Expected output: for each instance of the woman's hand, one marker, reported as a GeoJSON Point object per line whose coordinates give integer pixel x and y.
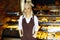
{"type": "Point", "coordinates": [35, 34]}
{"type": "Point", "coordinates": [20, 32]}
{"type": "Point", "coordinates": [21, 35]}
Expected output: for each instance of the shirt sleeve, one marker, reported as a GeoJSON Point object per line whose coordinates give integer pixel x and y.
{"type": "Point", "coordinates": [36, 23]}
{"type": "Point", "coordinates": [20, 23]}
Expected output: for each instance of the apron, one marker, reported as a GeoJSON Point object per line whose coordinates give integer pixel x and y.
{"type": "Point", "coordinates": [27, 29]}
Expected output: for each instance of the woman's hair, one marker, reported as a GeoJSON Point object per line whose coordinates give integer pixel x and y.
{"type": "Point", "coordinates": [28, 2]}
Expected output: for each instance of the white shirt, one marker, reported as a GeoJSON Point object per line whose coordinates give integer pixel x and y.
{"type": "Point", "coordinates": [35, 28]}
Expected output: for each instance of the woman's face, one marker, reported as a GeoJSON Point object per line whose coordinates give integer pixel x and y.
{"type": "Point", "coordinates": [27, 9]}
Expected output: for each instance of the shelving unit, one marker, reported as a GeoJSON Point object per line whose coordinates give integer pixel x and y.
{"type": "Point", "coordinates": [49, 26]}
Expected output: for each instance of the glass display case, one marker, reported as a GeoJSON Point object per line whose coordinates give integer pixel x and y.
{"type": "Point", "coordinates": [49, 25]}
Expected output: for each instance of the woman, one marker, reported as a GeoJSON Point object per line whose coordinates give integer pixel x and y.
{"type": "Point", "coordinates": [28, 23]}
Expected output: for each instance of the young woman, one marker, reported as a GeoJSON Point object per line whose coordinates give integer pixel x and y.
{"type": "Point", "coordinates": [28, 23]}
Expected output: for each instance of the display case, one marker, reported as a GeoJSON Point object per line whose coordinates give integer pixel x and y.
{"type": "Point", "coordinates": [49, 25]}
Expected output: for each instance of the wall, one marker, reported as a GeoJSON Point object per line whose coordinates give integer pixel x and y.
{"type": "Point", "coordinates": [9, 5]}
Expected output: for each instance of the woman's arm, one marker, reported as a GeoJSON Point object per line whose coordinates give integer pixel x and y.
{"type": "Point", "coordinates": [20, 26]}
{"type": "Point", "coordinates": [35, 26]}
